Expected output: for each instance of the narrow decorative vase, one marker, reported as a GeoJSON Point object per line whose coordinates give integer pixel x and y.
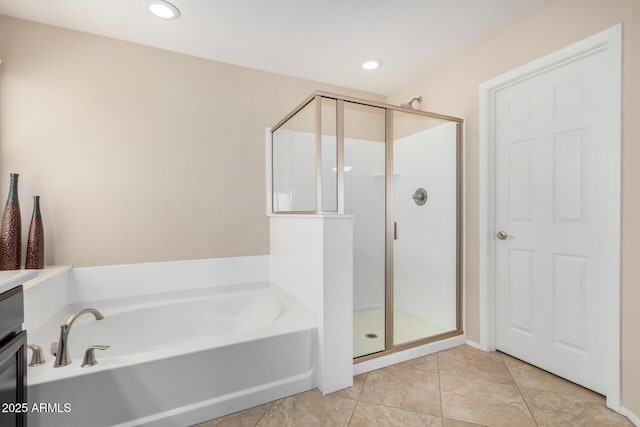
{"type": "Point", "coordinates": [11, 230]}
{"type": "Point", "coordinates": [35, 243]}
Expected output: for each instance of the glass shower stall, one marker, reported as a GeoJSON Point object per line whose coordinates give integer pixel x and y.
{"type": "Point", "coordinates": [398, 172]}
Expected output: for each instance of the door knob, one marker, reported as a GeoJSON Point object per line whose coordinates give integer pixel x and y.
{"type": "Point", "coordinates": [502, 235]}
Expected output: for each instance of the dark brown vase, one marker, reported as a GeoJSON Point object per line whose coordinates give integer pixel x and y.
{"type": "Point", "coordinates": [11, 230]}
{"type": "Point", "coordinates": [35, 243]}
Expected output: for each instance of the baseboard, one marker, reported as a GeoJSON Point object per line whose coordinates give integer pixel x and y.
{"type": "Point", "coordinates": [223, 405]}
{"type": "Point", "coordinates": [403, 356]}
{"type": "Point", "coordinates": [632, 417]}
{"type": "Point", "coordinates": [474, 345]}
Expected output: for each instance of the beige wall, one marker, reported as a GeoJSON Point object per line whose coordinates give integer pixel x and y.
{"type": "Point", "coordinates": [139, 154]}
{"type": "Point", "coordinates": [453, 89]}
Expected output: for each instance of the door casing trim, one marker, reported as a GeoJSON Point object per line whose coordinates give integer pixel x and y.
{"type": "Point", "coordinates": [610, 40]}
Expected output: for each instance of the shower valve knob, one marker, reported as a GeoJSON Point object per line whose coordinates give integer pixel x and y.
{"type": "Point", "coordinates": [420, 196]}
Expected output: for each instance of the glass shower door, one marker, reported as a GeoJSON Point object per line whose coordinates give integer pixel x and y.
{"type": "Point", "coordinates": [425, 224]}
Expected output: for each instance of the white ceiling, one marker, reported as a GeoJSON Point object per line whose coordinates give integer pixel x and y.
{"type": "Point", "coordinates": [323, 40]}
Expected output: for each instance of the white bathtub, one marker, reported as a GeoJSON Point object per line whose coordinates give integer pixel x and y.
{"type": "Point", "coordinates": [176, 359]}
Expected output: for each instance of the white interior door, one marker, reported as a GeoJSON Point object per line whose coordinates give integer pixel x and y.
{"type": "Point", "coordinates": [555, 188]}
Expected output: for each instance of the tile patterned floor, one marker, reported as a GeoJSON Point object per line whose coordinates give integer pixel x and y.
{"type": "Point", "coordinates": [461, 387]}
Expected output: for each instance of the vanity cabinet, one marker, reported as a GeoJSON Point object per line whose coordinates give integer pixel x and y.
{"type": "Point", "coordinates": [13, 359]}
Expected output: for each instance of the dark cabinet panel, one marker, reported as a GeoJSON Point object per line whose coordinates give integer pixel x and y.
{"type": "Point", "coordinates": [13, 359]}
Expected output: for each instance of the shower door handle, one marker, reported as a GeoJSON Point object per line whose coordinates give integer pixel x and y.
{"type": "Point", "coordinates": [395, 230]}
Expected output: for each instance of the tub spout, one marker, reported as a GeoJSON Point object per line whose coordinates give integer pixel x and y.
{"type": "Point", "coordinates": [62, 354]}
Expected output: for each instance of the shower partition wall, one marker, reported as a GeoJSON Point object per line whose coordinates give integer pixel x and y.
{"type": "Point", "coordinates": [398, 172]}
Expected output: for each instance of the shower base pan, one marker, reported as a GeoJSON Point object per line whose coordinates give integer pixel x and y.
{"type": "Point", "coordinates": [368, 329]}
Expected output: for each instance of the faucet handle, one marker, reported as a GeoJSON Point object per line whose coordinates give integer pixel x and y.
{"type": "Point", "coordinates": [90, 357]}
{"type": "Point", "coordinates": [37, 355]}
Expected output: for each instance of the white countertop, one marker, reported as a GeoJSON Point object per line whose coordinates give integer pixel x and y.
{"type": "Point", "coordinates": [11, 278]}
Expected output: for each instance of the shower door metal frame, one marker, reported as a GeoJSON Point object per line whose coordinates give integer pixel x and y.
{"type": "Point", "coordinates": [389, 232]}
{"type": "Point", "coordinates": [391, 235]}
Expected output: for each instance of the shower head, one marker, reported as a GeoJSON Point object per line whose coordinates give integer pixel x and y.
{"type": "Point", "coordinates": [410, 103]}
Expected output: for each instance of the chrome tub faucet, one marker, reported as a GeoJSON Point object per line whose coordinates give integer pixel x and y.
{"type": "Point", "coordinates": [62, 351]}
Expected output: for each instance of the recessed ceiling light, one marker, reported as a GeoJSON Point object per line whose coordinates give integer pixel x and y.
{"type": "Point", "coordinates": [371, 64]}
{"type": "Point", "coordinates": [164, 9]}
